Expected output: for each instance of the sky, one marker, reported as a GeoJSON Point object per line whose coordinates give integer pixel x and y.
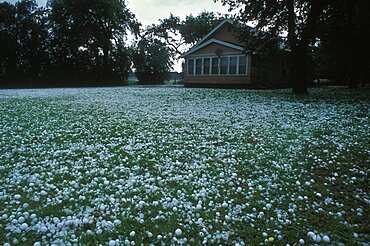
{"type": "Point", "coordinates": [150, 11]}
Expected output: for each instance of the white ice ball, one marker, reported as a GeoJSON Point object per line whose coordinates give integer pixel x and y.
{"type": "Point", "coordinates": [43, 229]}
{"type": "Point", "coordinates": [178, 232]}
{"type": "Point", "coordinates": [21, 220]}
{"type": "Point", "coordinates": [326, 239]}
{"type": "Point", "coordinates": [132, 234]}
{"type": "Point", "coordinates": [24, 226]}
{"type": "Point", "coordinates": [312, 235]}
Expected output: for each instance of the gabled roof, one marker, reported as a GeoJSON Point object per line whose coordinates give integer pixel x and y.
{"type": "Point", "coordinates": [204, 42]}
{"type": "Point", "coordinates": [216, 41]}
{"type": "Point", "coordinates": [215, 30]}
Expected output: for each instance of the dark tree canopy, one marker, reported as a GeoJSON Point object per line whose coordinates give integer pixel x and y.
{"type": "Point", "coordinates": [23, 34]}
{"type": "Point", "coordinates": [151, 59]}
{"type": "Point", "coordinates": [86, 29]}
{"type": "Point", "coordinates": [343, 49]}
{"type": "Point", "coordinates": [69, 43]}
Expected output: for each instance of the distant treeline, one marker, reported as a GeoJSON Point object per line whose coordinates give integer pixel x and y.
{"type": "Point", "coordinates": [73, 43]}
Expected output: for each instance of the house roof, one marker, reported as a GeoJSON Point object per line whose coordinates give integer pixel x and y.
{"type": "Point", "coordinates": [216, 41]}
{"type": "Point", "coordinates": [222, 23]}
{"type": "Point", "coordinates": [204, 41]}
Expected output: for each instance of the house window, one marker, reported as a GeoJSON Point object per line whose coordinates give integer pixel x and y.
{"type": "Point", "coordinates": [242, 65]}
{"type": "Point", "coordinates": [206, 66]}
{"type": "Point", "coordinates": [198, 66]}
{"type": "Point", "coordinates": [215, 66]}
{"type": "Point", "coordinates": [224, 64]}
{"type": "Point", "coordinates": [190, 66]}
{"type": "Point", "coordinates": [232, 65]}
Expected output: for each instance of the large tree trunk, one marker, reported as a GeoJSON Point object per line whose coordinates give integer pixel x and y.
{"type": "Point", "coordinates": [299, 48]}
{"type": "Point", "coordinates": [299, 72]}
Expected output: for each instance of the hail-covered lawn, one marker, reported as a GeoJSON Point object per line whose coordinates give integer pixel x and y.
{"type": "Point", "coordinates": [184, 166]}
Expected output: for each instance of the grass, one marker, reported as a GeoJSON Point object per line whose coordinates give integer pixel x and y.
{"type": "Point", "coordinates": [93, 165]}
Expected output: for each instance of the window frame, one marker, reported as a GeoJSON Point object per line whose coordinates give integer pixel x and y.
{"type": "Point", "coordinates": [217, 66]}
{"type": "Point", "coordinates": [209, 66]}
{"type": "Point", "coordinates": [188, 66]}
{"type": "Point", "coordinates": [201, 67]}
{"type": "Point", "coordinates": [236, 65]}
{"type": "Point", "coordinates": [210, 69]}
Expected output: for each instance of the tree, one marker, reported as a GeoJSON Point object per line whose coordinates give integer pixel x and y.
{"type": "Point", "coordinates": [152, 61]}
{"type": "Point", "coordinates": [343, 49]}
{"type": "Point", "coordinates": [32, 38]}
{"type": "Point", "coordinates": [194, 28]}
{"type": "Point", "coordinates": [8, 41]}
{"type": "Point", "coordinates": [121, 62]}
{"type": "Point", "coordinates": [23, 35]}
{"type": "Point", "coordinates": [177, 34]}
{"type": "Point", "coordinates": [88, 28]}
{"type": "Point", "coordinates": [299, 18]}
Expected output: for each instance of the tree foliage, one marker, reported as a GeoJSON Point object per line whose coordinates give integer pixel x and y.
{"type": "Point", "coordinates": [343, 49]}
{"type": "Point", "coordinates": [178, 34]}
{"type": "Point", "coordinates": [68, 43]}
{"type": "Point", "coordinates": [90, 31]}
{"type": "Point", "coordinates": [151, 59]}
{"type": "Point", "coordinates": [23, 34]}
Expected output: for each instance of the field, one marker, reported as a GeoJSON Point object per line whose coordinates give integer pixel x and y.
{"type": "Point", "coordinates": [134, 166]}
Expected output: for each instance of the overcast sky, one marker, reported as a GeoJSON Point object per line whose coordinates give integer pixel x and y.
{"type": "Point", "coordinates": [149, 11]}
